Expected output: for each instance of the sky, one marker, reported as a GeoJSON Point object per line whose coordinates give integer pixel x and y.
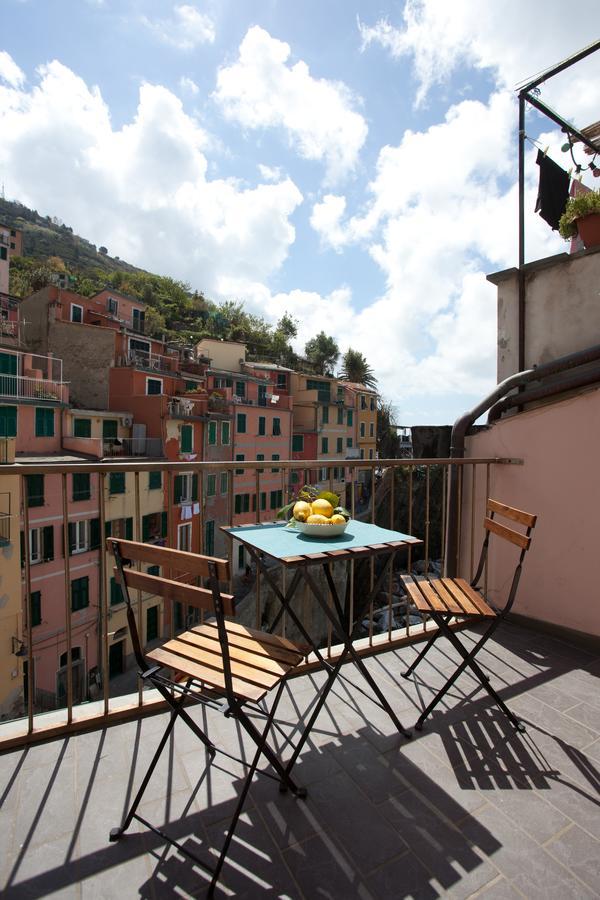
{"type": "Point", "coordinates": [350, 163]}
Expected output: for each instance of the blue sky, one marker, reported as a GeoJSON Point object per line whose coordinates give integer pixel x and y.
{"type": "Point", "coordinates": [352, 164]}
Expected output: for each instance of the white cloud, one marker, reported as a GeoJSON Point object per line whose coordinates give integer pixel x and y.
{"type": "Point", "coordinates": [9, 70]}
{"type": "Point", "coordinates": [513, 39]}
{"type": "Point", "coordinates": [270, 173]}
{"type": "Point", "coordinates": [141, 190]}
{"type": "Point", "coordinates": [262, 90]}
{"type": "Point", "coordinates": [326, 219]}
{"type": "Point", "coordinates": [185, 30]}
{"type": "Point", "coordinates": [188, 85]}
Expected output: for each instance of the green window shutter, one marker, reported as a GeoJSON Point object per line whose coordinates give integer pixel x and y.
{"type": "Point", "coordinates": [44, 422]}
{"type": "Point", "coordinates": [211, 485]}
{"type": "Point", "coordinates": [35, 490]}
{"type": "Point", "coordinates": [80, 593]}
{"type": "Point", "coordinates": [22, 549]}
{"type": "Point", "coordinates": [276, 426]}
{"type": "Point", "coordinates": [241, 423]}
{"type": "Point", "coordinates": [225, 432]}
{"type": "Point", "coordinates": [178, 489]}
{"type": "Point", "coordinates": [239, 458]}
{"type": "Point", "coordinates": [212, 432]}
{"type": "Point", "coordinates": [325, 415]}
{"type": "Point", "coordinates": [224, 482]}
{"type": "Point", "coordinates": [194, 487]}
{"type": "Point", "coordinates": [340, 445]}
{"type": "Point", "coordinates": [71, 537]}
{"type": "Point", "coordinates": [145, 528]}
{"type": "Point", "coordinates": [164, 524]}
{"type": "Point", "coordinates": [349, 419]}
{"type": "Point", "coordinates": [178, 615]}
{"type": "Point", "coordinates": [324, 445]}
{"type": "Point", "coordinates": [260, 456]}
{"type": "Point", "coordinates": [298, 443]}
{"type": "Point", "coordinates": [116, 594]}
{"type": "Point", "coordinates": [110, 428]}
{"type": "Point", "coordinates": [154, 480]}
{"type": "Point", "coordinates": [187, 438]}
{"type": "Point", "coordinates": [94, 534]}
{"type": "Point", "coordinates": [209, 538]}
{"type": "Point", "coordinates": [261, 425]}
{"type": "Point", "coordinates": [36, 608]}
{"type": "Point", "coordinates": [154, 570]}
{"type": "Point", "coordinates": [273, 499]}
{"type": "Point", "coordinates": [275, 456]}
{"type": "Point", "coordinates": [238, 503]}
{"type": "Point", "coordinates": [263, 500]}
{"type": "Point", "coordinates": [348, 442]}
{"type": "Point", "coordinates": [246, 503]}
{"type": "Point", "coordinates": [129, 529]}
{"type": "Point", "coordinates": [8, 414]}
{"type": "Point", "coordinates": [116, 483]}
{"type": "Point", "coordinates": [240, 389]}
{"type": "Point", "coordinates": [82, 428]}
{"type": "Point", "coordinates": [340, 415]}
{"type": "Point", "coordinates": [81, 486]}
{"type": "Point", "coordinates": [48, 543]}
{"type": "Point", "coordinates": [107, 529]}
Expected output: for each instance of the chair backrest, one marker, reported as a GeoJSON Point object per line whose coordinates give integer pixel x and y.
{"type": "Point", "coordinates": [519, 538]}
{"type": "Point", "coordinates": [189, 566]}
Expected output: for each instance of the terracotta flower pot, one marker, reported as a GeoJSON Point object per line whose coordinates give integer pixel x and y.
{"type": "Point", "coordinates": [588, 228]}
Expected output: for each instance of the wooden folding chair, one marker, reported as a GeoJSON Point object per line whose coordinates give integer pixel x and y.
{"type": "Point", "coordinates": [444, 599]}
{"type": "Point", "coordinates": [219, 664]}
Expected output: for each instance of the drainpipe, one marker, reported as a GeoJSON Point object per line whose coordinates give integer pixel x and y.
{"type": "Point", "coordinates": [568, 383]}
{"type": "Point", "coordinates": [462, 425]}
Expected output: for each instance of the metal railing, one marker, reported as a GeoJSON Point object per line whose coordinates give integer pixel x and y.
{"type": "Point", "coordinates": [409, 496]}
{"type": "Point", "coordinates": [153, 362]}
{"type": "Point", "coordinates": [142, 446]}
{"type": "Point", "coordinates": [25, 388]}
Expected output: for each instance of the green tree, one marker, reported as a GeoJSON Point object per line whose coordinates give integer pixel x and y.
{"type": "Point", "coordinates": [322, 352]}
{"type": "Point", "coordinates": [356, 368]}
{"type": "Point", "coordinates": [388, 442]}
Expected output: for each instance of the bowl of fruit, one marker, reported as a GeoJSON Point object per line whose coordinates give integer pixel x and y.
{"type": "Point", "coordinates": [316, 514]}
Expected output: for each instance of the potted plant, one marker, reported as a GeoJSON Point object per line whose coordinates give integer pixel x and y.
{"type": "Point", "coordinates": [582, 217]}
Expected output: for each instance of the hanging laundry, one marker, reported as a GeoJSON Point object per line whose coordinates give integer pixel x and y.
{"type": "Point", "coordinates": [196, 509]}
{"type": "Point", "coordinates": [553, 191]}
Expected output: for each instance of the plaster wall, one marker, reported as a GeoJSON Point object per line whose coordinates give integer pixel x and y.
{"type": "Point", "coordinates": [559, 584]}
{"type": "Point", "coordinates": [11, 666]}
{"type": "Point", "coordinates": [225, 355]}
{"type": "Point", "coordinates": [562, 309]}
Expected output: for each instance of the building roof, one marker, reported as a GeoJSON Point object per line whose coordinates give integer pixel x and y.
{"type": "Point", "coordinates": [355, 386]}
{"type": "Point", "coordinates": [267, 365]}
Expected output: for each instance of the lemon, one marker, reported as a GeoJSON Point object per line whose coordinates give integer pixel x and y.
{"type": "Point", "coordinates": [338, 520]}
{"type": "Point", "coordinates": [301, 510]}
{"type": "Point", "coordinates": [323, 507]}
{"type": "Point", "coordinates": [317, 519]}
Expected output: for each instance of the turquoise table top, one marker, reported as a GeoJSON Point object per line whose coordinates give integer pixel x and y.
{"type": "Point", "coordinates": [291, 546]}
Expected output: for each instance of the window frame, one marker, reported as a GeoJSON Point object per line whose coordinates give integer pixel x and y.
{"type": "Point", "coordinates": [185, 528]}
{"type": "Point", "coordinates": [80, 308]}
{"type": "Point", "coordinates": [77, 421]}
{"type": "Point", "coordinates": [224, 426]}
{"type": "Point", "coordinates": [151, 379]}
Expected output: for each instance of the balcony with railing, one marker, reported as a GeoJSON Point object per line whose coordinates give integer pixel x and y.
{"type": "Point", "coordinates": [467, 806]}
{"type": "Point", "coordinates": [29, 376]}
{"type": "Point", "coordinates": [150, 362]}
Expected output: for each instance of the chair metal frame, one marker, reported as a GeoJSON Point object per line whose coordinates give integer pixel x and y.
{"type": "Point", "coordinates": [178, 693]}
{"type": "Point", "coordinates": [486, 610]}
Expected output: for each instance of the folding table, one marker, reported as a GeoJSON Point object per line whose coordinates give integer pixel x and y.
{"type": "Point", "coordinates": [301, 554]}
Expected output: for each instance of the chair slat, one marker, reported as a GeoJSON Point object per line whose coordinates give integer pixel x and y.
{"type": "Point", "coordinates": [517, 515]}
{"type": "Point", "coordinates": [178, 560]}
{"type": "Point", "coordinates": [469, 608]}
{"type": "Point", "coordinates": [199, 598]}
{"type": "Point", "coordinates": [475, 598]}
{"type": "Point", "coordinates": [449, 599]}
{"type": "Point", "coordinates": [215, 661]}
{"type": "Point", "coordinates": [423, 603]}
{"type": "Point", "coordinates": [236, 628]}
{"type": "Point", "coordinates": [208, 676]}
{"type": "Point", "coordinates": [521, 540]}
{"type": "Point", "coordinates": [236, 654]}
{"type": "Point", "coordinates": [255, 645]}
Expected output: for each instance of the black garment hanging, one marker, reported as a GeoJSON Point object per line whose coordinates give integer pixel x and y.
{"type": "Point", "coordinates": [553, 191]}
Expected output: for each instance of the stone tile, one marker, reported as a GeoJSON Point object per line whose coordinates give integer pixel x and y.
{"type": "Point", "coordinates": [499, 889]}
{"type": "Point", "coordinates": [377, 776]}
{"type": "Point", "coordinates": [404, 876]}
{"type": "Point", "coordinates": [579, 852]}
{"type": "Point", "coordinates": [46, 805]}
{"type": "Point", "coordinates": [552, 722]}
{"type": "Point", "coordinates": [579, 803]}
{"type": "Point", "coordinates": [39, 866]}
{"type": "Point", "coordinates": [530, 811]}
{"type": "Point", "coordinates": [586, 715]}
{"type": "Point", "coordinates": [322, 869]}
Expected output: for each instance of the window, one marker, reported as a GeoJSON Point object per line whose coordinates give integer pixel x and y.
{"type": "Point", "coordinates": [8, 414]}
{"type": "Point", "coordinates": [76, 312]}
{"type": "Point", "coordinates": [348, 442]}
{"type": "Point", "coordinates": [178, 615]}
{"type": "Point", "coordinates": [262, 425]}
{"type": "Point", "coordinates": [253, 502]}
{"type": "Point", "coordinates": [113, 306]}
{"type": "Point", "coordinates": [324, 445]}
{"type": "Point", "coordinates": [363, 401]}
{"type": "Point", "coordinates": [340, 415]}
{"type": "Point", "coordinates": [78, 536]}
{"type": "Point", "coordinates": [275, 456]}
{"type": "Point", "coordinates": [362, 453]}
{"type": "Point", "coordinates": [239, 457]}
{"type": "Point", "coordinates": [240, 389]}
{"type": "Point", "coordinates": [41, 544]}
{"type": "Point", "coordinates": [212, 432]}
{"type": "Point", "coordinates": [110, 429]}
{"type": "Point", "coordinates": [44, 422]}
{"type": "Point", "coordinates": [222, 382]}
{"type": "Point", "coordinates": [298, 443]}
{"type": "Point", "coordinates": [362, 429]}
{"type": "Point", "coordinates": [187, 438]}
{"type": "Point", "coordinates": [184, 536]}
{"type": "Point", "coordinates": [116, 483]}
{"type": "Point", "coordinates": [276, 426]}
{"type": "Point", "coordinates": [281, 381]}
{"type": "Point", "coordinates": [36, 608]}
{"type": "Point", "coordinates": [224, 482]}
{"type": "Point", "coordinates": [154, 481]}
{"type": "Point", "coordinates": [325, 415]}
{"type": "Point", "coordinates": [211, 485]}
{"type": "Point", "coordinates": [225, 432]}
{"type": "Point", "coordinates": [80, 593]}
{"type": "Point", "coordinates": [294, 478]}
{"type": "Point", "coordinates": [119, 528]}
{"type": "Point", "coordinates": [139, 317]}
{"type": "Point", "coordinates": [81, 486]}
{"type": "Point", "coordinates": [242, 503]}
{"type": "Point", "coordinates": [260, 456]}
{"type": "Point", "coordinates": [154, 570]}
{"type": "Point", "coordinates": [209, 538]}
{"type": "Point", "coordinates": [339, 448]}
{"type": "Point", "coordinates": [323, 388]}
{"type": "Point", "coordinates": [82, 428]}
{"type": "Point", "coordinates": [276, 499]}
{"type": "Point", "coordinates": [349, 418]}
{"type": "Point", "coordinates": [241, 557]}
{"type": "Point", "coordinates": [371, 454]}
{"type": "Point", "coordinates": [116, 594]}
{"type": "Point", "coordinates": [151, 623]}
{"type": "Point", "coordinates": [154, 527]}
{"type": "Point", "coordinates": [372, 404]}
{"type": "Point", "coordinates": [263, 500]}
{"type": "Point", "coordinates": [35, 490]}
{"type": "Point", "coordinates": [371, 426]}
{"type": "Point", "coordinates": [241, 423]}
{"type": "Point", "coordinates": [185, 488]}
{"type": "Point", "coordinates": [154, 386]}
{"type": "Point", "coordinates": [262, 395]}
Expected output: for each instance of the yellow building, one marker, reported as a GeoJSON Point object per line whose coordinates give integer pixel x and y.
{"type": "Point", "coordinates": [365, 405]}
